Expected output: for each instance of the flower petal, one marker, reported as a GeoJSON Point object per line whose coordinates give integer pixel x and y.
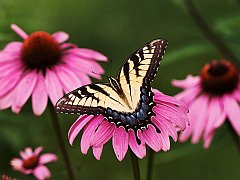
{"type": "Point", "coordinates": [39, 96]}
{"type": "Point", "coordinates": [6, 101]}
{"type": "Point", "coordinates": [120, 142]}
{"type": "Point", "coordinates": [47, 158]}
{"type": "Point", "coordinates": [69, 79]}
{"type": "Point", "coordinates": [53, 86]}
{"type": "Point", "coordinates": [23, 90]}
{"type": "Point", "coordinates": [97, 152]}
{"type": "Point", "coordinates": [190, 81]}
{"type": "Point", "coordinates": [188, 95]}
{"type": "Point", "coordinates": [139, 150]}
{"type": "Point", "coordinates": [232, 110]}
{"type": "Point", "coordinates": [19, 31]}
{"type": "Point", "coordinates": [88, 54]}
{"type": "Point", "coordinates": [103, 134]}
{"type": "Point", "coordinates": [77, 126]}
{"type": "Point", "coordinates": [42, 172]}
{"type": "Point", "coordinates": [152, 138]}
{"type": "Point", "coordinates": [60, 36]}
{"type": "Point", "coordinates": [38, 150]}
{"type": "Point", "coordinates": [89, 131]}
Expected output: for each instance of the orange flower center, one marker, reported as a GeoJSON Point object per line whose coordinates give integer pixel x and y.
{"type": "Point", "coordinates": [31, 162]}
{"type": "Point", "coordinates": [40, 51]}
{"type": "Point", "coordinates": [219, 77]}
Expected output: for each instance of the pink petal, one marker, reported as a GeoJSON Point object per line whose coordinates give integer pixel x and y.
{"type": "Point", "coordinates": [166, 126]}
{"type": "Point", "coordinates": [97, 152]}
{"type": "Point", "coordinates": [120, 143]}
{"type": "Point", "coordinates": [88, 54]}
{"type": "Point", "coordinates": [16, 163]}
{"type": "Point", "coordinates": [189, 94]}
{"type": "Point", "coordinates": [214, 112]}
{"type": "Point", "coordinates": [13, 47]}
{"type": "Point", "coordinates": [38, 150]}
{"type": "Point", "coordinates": [9, 68]}
{"type": "Point", "coordinates": [208, 140]}
{"type": "Point", "coordinates": [152, 138]}
{"type": "Point", "coordinates": [69, 79]}
{"type": "Point", "coordinates": [42, 173]}
{"type": "Point", "coordinates": [89, 131]}
{"type": "Point", "coordinates": [67, 46]}
{"type": "Point", "coordinates": [47, 158]}
{"type": "Point", "coordinates": [19, 31]}
{"type": "Point", "coordinates": [139, 150]}
{"type": "Point", "coordinates": [164, 138]}
{"type": "Point", "coordinates": [60, 36]}
{"type": "Point", "coordinates": [232, 110]}
{"type": "Point", "coordinates": [103, 134]}
{"type": "Point", "coordinates": [6, 101]}
{"type": "Point", "coordinates": [23, 90]}
{"type": "Point", "coordinates": [199, 115]}
{"type": "Point", "coordinates": [175, 118]}
{"type": "Point", "coordinates": [160, 97]}
{"type": "Point", "coordinates": [77, 126]}
{"type": "Point", "coordinates": [190, 81]}
{"type": "Point", "coordinates": [39, 96]}
{"type": "Point", "coordinates": [53, 86]}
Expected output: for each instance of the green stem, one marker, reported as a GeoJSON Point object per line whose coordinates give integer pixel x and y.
{"type": "Point", "coordinates": [135, 166]}
{"type": "Point", "coordinates": [150, 164]}
{"type": "Point", "coordinates": [209, 33]}
{"type": "Point", "coordinates": [60, 139]}
{"type": "Point", "coordinates": [235, 136]}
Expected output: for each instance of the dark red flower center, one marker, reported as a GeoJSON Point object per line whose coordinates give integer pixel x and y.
{"type": "Point", "coordinates": [219, 77]}
{"type": "Point", "coordinates": [40, 51]}
{"type": "Point", "coordinates": [31, 162]}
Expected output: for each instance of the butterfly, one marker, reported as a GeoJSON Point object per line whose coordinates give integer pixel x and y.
{"type": "Point", "coordinates": [126, 100]}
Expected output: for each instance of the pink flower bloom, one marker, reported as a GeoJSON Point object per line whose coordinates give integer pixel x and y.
{"type": "Point", "coordinates": [43, 66]}
{"type": "Point", "coordinates": [212, 97]}
{"type": "Point", "coordinates": [155, 132]}
{"type": "Point", "coordinates": [31, 162]}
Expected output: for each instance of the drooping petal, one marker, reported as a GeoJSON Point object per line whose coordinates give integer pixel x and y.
{"type": "Point", "coordinates": [39, 96]}
{"type": "Point", "coordinates": [38, 150]}
{"type": "Point", "coordinates": [189, 94]}
{"type": "Point", "coordinates": [69, 80]}
{"type": "Point", "coordinates": [53, 86]}
{"type": "Point", "coordinates": [6, 101]}
{"type": "Point", "coordinates": [120, 143]}
{"type": "Point", "coordinates": [42, 173]}
{"type": "Point", "coordinates": [208, 140]}
{"type": "Point", "coordinates": [190, 81]}
{"type": "Point", "coordinates": [19, 31]}
{"type": "Point", "coordinates": [139, 150]}
{"type": "Point", "coordinates": [166, 125]}
{"type": "Point", "coordinates": [77, 126]}
{"type": "Point", "coordinates": [152, 138]}
{"type": "Point", "coordinates": [88, 54]}
{"type": "Point", "coordinates": [97, 152]}
{"type": "Point", "coordinates": [89, 131]}
{"type": "Point", "coordinates": [103, 134]}
{"type": "Point", "coordinates": [232, 110]}
{"type": "Point", "coordinates": [199, 115]}
{"type": "Point", "coordinates": [16, 163]}
{"type": "Point", "coordinates": [47, 158]}
{"type": "Point", "coordinates": [60, 36]}
{"type": "Point", "coordinates": [23, 90]}
{"type": "Point", "coordinates": [65, 46]}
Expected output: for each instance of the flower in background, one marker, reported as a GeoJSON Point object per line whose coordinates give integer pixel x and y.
{"type": "Point", "coordinates": [6, 177]}
{"type": "Point", "coordinates": [212, 97]}
{"type": "Point", "coordinates": [31, 162]}
{"type": "Point", "coordinates": [155, 132]}
{"type": "Point", "coordinates": [43, 66]}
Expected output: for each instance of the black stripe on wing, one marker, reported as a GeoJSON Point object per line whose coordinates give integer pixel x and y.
{"type": "Point", "coordinates": [65, 104]}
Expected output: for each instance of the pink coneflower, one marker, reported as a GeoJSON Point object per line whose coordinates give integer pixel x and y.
{"type": "Point", "coordinates": [31, 162]}
{"type": "Point", "coordinates": [6, 177]}
{"type": "Point", "coordinates": [154, 132]}
{"type": "Point", "coordinates": [43, 66]}
{"type": "Point", "coordinates": [212, 97]}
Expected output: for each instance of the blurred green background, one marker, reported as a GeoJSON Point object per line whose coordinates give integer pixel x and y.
{"type": "Point", "coordinates": [117, 28]}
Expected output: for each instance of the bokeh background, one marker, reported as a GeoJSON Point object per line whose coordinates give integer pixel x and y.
{"type": "Point", "coordinates": [117, 28]}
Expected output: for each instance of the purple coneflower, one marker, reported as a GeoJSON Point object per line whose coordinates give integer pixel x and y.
{"type": "Point", "coordinates": [31, 162]}
{"type": "Point", "coordinates": [43, 66]}
{"type": "Point", "coordinates": [170, 115]}
{"type": "Point", "coordinates": [213, 97]}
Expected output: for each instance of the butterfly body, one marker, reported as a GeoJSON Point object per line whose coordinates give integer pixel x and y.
{"type": "Point", "coordinates": [126, 100]}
